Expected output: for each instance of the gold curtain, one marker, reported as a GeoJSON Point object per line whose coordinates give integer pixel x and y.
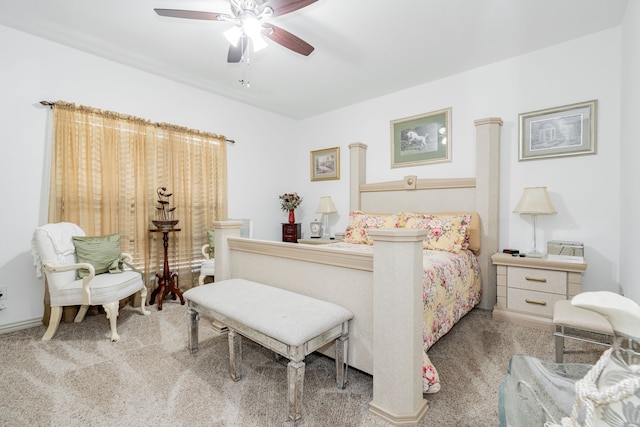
{"type": "Point", "coordinates": [106, 168]}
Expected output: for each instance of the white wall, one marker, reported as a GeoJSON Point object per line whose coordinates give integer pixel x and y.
{"type": "Point", "coordinates": [33, 69]}
{"type": "Point", "coordinates": [630, 153]}
{"type": "Point", "coordinates": [584, 189]}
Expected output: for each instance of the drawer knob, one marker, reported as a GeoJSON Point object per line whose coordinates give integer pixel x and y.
{"type": "Point", "coordinates": [535, 279]}
{"type": "Point", "coordinates": [530, 301]}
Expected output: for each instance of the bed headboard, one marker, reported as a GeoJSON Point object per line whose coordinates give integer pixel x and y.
{"type": "Point", "coordinates": [480, 194]}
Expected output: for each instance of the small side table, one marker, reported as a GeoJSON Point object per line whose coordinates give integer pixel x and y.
{"type": "Point", "coordinates": [291, 232]}
{"type": "Point", "coordinates": [166, 282]}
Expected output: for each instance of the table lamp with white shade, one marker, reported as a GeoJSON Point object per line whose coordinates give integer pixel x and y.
{"type": "Point", "coordinates": [535, 201]}
{"type": "Point", "coordinates": [326, 207]}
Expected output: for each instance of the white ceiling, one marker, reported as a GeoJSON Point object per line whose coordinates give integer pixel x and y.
{"type": "Point", "coordinates": [363, 48]}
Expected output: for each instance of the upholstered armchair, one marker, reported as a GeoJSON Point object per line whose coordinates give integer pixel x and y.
{"type": "Point", "coordinates": [84, 271]}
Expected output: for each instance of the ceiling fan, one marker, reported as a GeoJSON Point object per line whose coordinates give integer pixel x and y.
{"type": "Point", "coordinates": [250, 18]}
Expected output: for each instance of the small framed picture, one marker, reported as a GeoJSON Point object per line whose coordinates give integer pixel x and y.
{"type": "Point", "coordinates": [421, 139]}
{"type": "Point", "coordinates": [569, 130]}
{"type": "Point", "coordinates": [325, 164]}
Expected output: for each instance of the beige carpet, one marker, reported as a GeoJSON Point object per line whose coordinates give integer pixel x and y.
{"type": "Point", "coordinates": [149, 377]}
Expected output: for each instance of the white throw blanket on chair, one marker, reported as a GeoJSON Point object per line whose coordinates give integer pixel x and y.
{"type": "Point", "coordinates": [60, 235]}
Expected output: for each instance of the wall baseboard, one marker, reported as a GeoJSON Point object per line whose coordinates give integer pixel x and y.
{"type": "Point", "coordinates": [17, 326]}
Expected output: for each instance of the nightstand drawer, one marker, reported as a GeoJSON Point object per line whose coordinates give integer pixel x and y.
{"type": "Point", "coordinates": [527, 301]}
{"type": "Point", "coordinates": [538, 280]}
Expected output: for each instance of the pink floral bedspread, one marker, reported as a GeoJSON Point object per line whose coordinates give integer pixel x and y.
{"type": "Point", "coordinates": [451, 287]}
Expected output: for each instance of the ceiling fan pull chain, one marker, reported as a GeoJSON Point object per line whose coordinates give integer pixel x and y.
{"type": "Point", "coordinates": [248, 72]}
{"type": "Point", "coordinates": [246, 60]}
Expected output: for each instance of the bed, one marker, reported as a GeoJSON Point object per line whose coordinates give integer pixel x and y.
{"type": "Point", "coordinates": [382, 284]}
{"type": "Point", "coordinates": [451, 278]}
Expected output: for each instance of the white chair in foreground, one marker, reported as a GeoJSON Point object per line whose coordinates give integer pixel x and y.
{"type": "Point", "coordinates": [54, 252]}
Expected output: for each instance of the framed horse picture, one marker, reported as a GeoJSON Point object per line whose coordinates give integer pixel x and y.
{"type": "Point", "coordinates": [421, 139]}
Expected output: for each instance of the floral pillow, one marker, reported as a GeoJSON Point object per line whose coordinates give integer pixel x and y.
{"type": "Point", "coordinates": [360, 222]}
{"type": "Point", "coordinates": [446, 232]}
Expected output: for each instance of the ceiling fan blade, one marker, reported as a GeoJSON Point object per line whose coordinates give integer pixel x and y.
{"type": "Point", "coordinates": [236, 52]}
{"type": "Point", "coordinates": [281, 7]}
{"type": "Point", "coordinates": [191, 14]}
{"type": "Point", "coordinates": [286, 39]}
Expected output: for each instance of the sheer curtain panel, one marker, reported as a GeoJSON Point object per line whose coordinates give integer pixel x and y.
{"type": "Point", "coordinates": [106, 167]}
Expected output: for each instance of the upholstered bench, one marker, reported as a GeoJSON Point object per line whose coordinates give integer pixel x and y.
{"type": "Point", "coordinates": [290, 324]}
{"type": "Point", "coordinates": [579, 324]}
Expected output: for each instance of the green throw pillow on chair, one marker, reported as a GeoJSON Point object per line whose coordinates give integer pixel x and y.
{"type": "Point", "coordinates": [103, 252]}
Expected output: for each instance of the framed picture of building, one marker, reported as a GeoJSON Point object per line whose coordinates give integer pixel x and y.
{"type": "Point", "coordinates": [325, 164]}
{"type": "Point", "coordinates": [421, 139]}
{"type": "Point", "coordinates": [569, 130]}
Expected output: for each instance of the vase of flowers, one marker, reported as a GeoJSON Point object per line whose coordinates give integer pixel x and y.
{"type": "Point", "coordinates": [289, 202]}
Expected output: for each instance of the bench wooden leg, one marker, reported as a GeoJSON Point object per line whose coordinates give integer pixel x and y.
{"type": "Point", "coordinates": [295, 377]}
{"type": "Point", "coordinates": [235, 354]}
{"type": "Point", "coordinates": [342, 360]}
{"type": "Point", "coordinates": [194, 317]}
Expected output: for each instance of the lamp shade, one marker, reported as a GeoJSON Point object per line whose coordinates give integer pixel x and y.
{"type": "Point", "coordinates": [535, 201]}
{"type": "Point", "coordinates": [326, 205]}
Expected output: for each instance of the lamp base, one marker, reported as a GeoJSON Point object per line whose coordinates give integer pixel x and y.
{"type": "Point", "coordinates": [326, 233]}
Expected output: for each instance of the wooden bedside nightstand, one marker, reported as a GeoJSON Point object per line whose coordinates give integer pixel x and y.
{"type": "Point", "coordinates": [529, 287]}
{"type": "Point", "coordinates": [291, 232]}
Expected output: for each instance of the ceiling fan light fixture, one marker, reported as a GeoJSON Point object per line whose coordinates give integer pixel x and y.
{"type": "Point", "coordinates": [258, 43]}
{"type": "Point", "coordinates": [233, 35]}
{"type": "Point", "coordinates": [251, 26]}
{"type": "Point", "coordinates": [253, 29]}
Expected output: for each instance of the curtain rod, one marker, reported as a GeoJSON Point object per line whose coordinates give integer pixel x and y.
{"type": "Point", "coordinates": [51, 104]}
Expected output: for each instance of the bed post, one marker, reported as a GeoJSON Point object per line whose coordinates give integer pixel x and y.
{"type": "Point", "coordinates": [224, 230]}
{"type": "Point", "coordinates": [397, 325]}
{"type": "Point", "coordinates": [357, 173]}
{"type": "Point", "coordinates": [488, 202]}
